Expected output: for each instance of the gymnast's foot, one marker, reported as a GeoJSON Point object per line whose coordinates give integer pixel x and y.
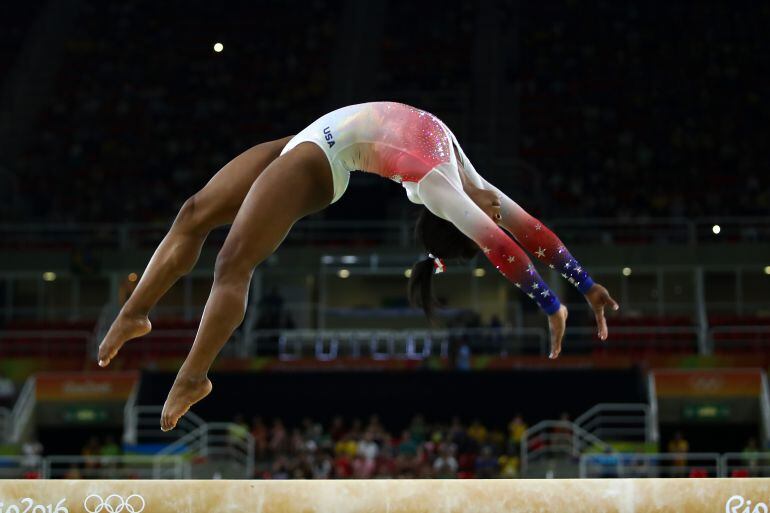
{"type": "Point", "coordinates": [184, 393]}
{"type": "Point", "coordinates": [123, 329]}
{"type": "Point", "coordinates": [557, 322]}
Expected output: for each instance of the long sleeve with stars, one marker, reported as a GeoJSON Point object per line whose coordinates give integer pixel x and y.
{"type": "Point", "coordinates": [533, 235]}
{"type": "Point", "coordinates": [446, 199]}
{"type": "Point", "coordinates": [536, 238]}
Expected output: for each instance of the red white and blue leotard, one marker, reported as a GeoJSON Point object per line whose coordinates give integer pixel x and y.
{"type": "Point", "coordinates": [416, 149]}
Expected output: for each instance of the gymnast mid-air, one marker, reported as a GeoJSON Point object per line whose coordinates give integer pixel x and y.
{"type": "Point", "coordinates": [268, 188]}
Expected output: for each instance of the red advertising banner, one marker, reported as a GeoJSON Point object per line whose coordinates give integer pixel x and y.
{"type": "Point", "coordinates": [707, 382]}
{"type": "Point", "coordinates": [71, 386]}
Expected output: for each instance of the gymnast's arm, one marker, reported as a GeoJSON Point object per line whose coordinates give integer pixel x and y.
{"type": "Point", "coordinates": [536, 238]}
{"type": "Point", "coordinates": [445, 199]}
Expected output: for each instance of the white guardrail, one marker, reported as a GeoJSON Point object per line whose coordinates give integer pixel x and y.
{"type": "Point", "coordinates": [636, 465]}
{"type": "Point", "coordinates": [640, 465]}
{"type": "Point", "coordinates": [94, 467]}
{"type": "Point", "coordinates": [411, 344]}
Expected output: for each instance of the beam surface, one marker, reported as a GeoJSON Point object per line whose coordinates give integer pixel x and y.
{"type": "Point", "coordinates": [391, 496]}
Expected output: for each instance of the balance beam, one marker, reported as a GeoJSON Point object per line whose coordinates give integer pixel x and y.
{"type": "Point", "coordinates": [392, 496]}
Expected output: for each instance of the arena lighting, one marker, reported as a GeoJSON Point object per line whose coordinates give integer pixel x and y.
{"type": "Point", "coordinates": [767, 269]}
{"type": "Point", "coordinates": [626, 271]}
{"type": "Point", "coordinates": [408, 272]}
{"type": "Point", "coordinates": [716, 229]}
{"type": "Point", "coordinates": [49, 276]}
{"type": "Point", "coordinates": [479, 272]}
{"type": "Point", "coordinates": [327, 259]}
{"type": "Point", "coordinates": [349, 259]}
{"type": "Point", "coordinates": [343, 273]}
{"type": "Point", "coordinates": [218, 47]}
{"type": "Point", "coordinates": [132, 277]}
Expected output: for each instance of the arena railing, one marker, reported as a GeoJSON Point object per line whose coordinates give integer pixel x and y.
{"type": "Point", "coordinates": [325, 232]}
{"type": "Point", "coordinates": [650, 465]}
{"type": "Point", "coordinates": [746, 464]}
{"type": "Point", "coordinates": [411, 344]}
{"type": "Point", "coordinates": [398, 344]}
{"type": "Point", "coordinates": [142, 425]}
{"type": "Point", "coordinates": [739, 338]}
{"type": "Point", "coordinates": [23, 410]}
{"type": "Point", "coordinates": [419, 344]}
{"type": "Point", "coordinates": [551, 440]}
{"type": "Point", "coordinates": [220, 445]}
{"type": "Point", "coordinates": [618, 421]}
{"type": "Point", "coordinates": [44, 343]}
{"type": "Point", "coordinates": [21, 467]}
{"type": "Point", "coordinates": [116, 467]}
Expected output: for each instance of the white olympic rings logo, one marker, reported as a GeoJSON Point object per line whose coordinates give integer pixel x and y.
{"type": "Point", "coordinates": [114, 503]}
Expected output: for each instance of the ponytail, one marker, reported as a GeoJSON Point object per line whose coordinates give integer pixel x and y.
{"type": "Point", "coordinates": [442, 241]}
{"type": "Point", "coordinates": [420, 288]}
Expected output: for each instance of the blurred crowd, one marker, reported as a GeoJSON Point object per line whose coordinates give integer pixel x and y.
{"type": "Point", "coordinates": [363, 450]}
{"type": "Point", "coordinates": [620, 111]}
{"type": "Point", "coordinates": [625, 114]}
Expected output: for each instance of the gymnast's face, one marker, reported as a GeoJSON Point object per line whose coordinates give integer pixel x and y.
{"type": "Point", "coordinates": [487, 201]}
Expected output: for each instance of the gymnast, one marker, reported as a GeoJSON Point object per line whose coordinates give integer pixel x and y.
{"type": "Point", "coordinates": [269, 187]}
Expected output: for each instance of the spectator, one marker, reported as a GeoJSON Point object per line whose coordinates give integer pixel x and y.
{"type": "Point", "coordinates": [516, 429]}
{"type": "Point", "coordinates": [486, 464]}
{"type": "Point", "coordinates": [337, 429]}
{"type": "Point", "coordinates": [509, 465]}
{"type": "Point", "coordinates": [259, 432]}
{"type": "Point", "coordinates": [445, 466]}
{"type": "Point", "coordinates": [323, 467]}
{"type": "Point", "coordinates": [73, 472]}
{"type": "Point", "coordinates": [110, 447]}
{"type": "Point", "coordinates": [31, 452]}
{"type": "Point", "coordinates": [368, 448]}
{"type": "Point", "coordinates": [751, 456]}
{"type": "Point", "coordinates": [477, 432]}
{"type": "Point", "coordinates": [679, 446]}
{"type": "Point", "coordinates": [90, 452]}
{"type": "Point", "coordinates": [278, 438]}
{"type": "Point", "coordinates": [237, 431]}
{"type": "Point", "coordinates": [408, 445]}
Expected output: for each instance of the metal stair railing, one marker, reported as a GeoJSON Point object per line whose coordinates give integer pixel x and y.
{"type": "Point", "coordinates": [556, 439]}
{"type": "Point", "coordinates": [22, 410]}
{"type": "Point", "coordinates": [142, 424]}
{"type": "Point", "coordinates": [216, 441]}
{"type": "Point", "coordinates": [618, 421]}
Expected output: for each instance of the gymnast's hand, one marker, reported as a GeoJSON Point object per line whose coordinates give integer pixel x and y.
{"type": "Point", "coordinates": [598, 297]}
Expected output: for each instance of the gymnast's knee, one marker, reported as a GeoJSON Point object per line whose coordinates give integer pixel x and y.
{"type": "Point", "coordinates": [231, 266]}
{"type": "Point", "coordinates": [193, 218]}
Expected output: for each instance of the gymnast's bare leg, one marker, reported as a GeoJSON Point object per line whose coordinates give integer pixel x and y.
{"type": "Point", "coordinates": [296, 184]}
{"type": "Point", "coordinates": [214, 205]}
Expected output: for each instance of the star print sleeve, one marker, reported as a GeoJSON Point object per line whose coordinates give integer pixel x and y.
{"type": "Point", "coordinates": [446, 200]}
{"type": "Point", "coordinates": [536, 238]}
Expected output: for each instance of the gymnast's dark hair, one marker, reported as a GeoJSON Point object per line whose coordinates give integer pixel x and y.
{"type": "Point", "coordinates": [441, 239]}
